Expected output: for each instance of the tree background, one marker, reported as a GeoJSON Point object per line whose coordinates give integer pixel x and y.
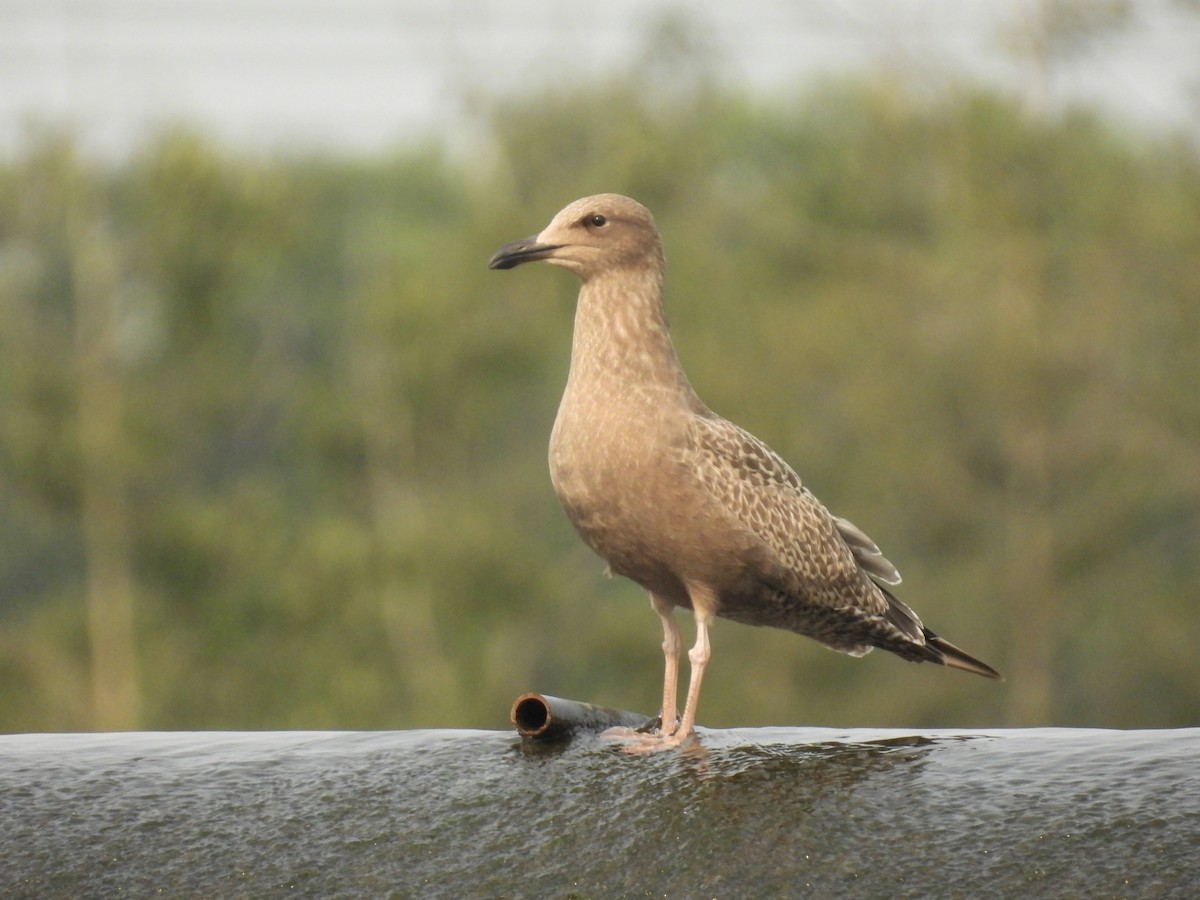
{"type": "Point", "coordinates": [272, 438]}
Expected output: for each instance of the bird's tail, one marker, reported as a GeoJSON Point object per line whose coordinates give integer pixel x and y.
{"type": "Point", "coordinates": [949, 655]}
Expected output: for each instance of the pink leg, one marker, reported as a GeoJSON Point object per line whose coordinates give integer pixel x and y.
{"type": "Point", "coordinates": [698, 656]}
{"type": "Point", "coordinates": [671, 644]}
{"type": "Point", "coordinates": [703, 607]}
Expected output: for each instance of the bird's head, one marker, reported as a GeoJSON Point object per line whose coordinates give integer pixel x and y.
{"type": "Point", "coordinates": [596, 234]}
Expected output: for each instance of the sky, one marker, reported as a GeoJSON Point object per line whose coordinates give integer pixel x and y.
{"type": "Point", "coordinates": [366, 75]}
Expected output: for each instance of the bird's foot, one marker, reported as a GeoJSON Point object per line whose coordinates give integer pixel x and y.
{"type": "Point", "coordinates": [655, 726]}
{"type": "Point", "coordinates": [643, 743]}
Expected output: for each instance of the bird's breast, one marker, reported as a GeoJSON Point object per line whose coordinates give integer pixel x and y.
{"type": "Point", "coordinates": [603, 457]}
{"type": "Point", "coordinates": [620, 475]}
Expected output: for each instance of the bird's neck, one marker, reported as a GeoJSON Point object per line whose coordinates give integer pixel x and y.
{"type": "Point", "coordinates": [621, 335]}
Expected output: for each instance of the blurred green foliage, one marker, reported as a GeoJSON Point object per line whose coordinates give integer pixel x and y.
{"type": "Point", "coordinates": [272, 433]}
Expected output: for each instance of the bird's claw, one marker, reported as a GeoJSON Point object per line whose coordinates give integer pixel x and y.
{"type": "Point", "coordinates": [655, 726]}
{"type": "Point", "coordinates": [650, 726]}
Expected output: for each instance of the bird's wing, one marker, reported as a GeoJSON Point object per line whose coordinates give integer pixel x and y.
{"type": "Point", "coordinates": [825, 555]}
{"type": "Point", "coordinates": [869, 556]}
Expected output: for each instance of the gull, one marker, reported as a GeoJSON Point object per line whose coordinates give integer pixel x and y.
{"type": "Point", "coordinates": [699, 512]}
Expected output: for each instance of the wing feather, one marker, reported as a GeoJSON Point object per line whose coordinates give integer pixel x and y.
{"type": "Point", "coordinates": [825, 555]}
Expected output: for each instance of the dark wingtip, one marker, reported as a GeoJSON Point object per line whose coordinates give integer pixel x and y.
{"type": "Point", "coordinates": [952, 656]}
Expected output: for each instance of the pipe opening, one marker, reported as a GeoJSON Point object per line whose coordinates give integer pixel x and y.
{"type": "Point", "coordinates": [531, 714]}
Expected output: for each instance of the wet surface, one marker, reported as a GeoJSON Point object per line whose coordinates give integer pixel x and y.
{"type": "Point", "coordinates": [754, 812]}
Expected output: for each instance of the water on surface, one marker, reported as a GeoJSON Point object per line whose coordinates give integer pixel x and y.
{"type": "Point", "coordinates": [754, 812]}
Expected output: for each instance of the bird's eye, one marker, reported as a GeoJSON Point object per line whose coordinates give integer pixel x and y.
{"type": "Point", "coordinates": [597, 220]}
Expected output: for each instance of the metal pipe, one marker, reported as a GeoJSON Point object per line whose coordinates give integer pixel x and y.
{"type": "Point", "coordinates": [540, 717]}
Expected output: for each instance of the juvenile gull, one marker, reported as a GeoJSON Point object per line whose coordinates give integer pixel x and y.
{"type": "Point", "coordinates": [697, 511]}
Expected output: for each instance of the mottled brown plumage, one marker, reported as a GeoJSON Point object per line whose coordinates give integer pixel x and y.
{"type": "Point", "coordinates": [698, 511]}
